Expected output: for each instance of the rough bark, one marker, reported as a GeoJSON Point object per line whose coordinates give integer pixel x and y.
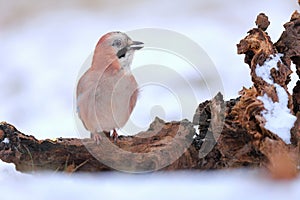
{"type": "Point", "coordinates": [63, 154]}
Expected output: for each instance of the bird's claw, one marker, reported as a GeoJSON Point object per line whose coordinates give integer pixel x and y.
{"type": "Point", "coordinates": [115, 136]}
{"type": "Point", "coordinates": [97, 138]}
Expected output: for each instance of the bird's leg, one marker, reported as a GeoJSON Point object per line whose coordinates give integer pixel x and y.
{"type": "Point", "coordinates": [115, 135]}
{"type": "Point", "coordinates": [96, 137]}
{"type": "Point", "coordinates": [107, 133]}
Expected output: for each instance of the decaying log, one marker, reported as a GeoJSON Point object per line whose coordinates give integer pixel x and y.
{"type": "Point", "coordinates": [258, 48]}
{"type": "Point", "coordinates": [30, 154]}
{"type": "Point", "coordinates": [289, 46]}
{"type": "Point", "coordinates": [231, 133]}
{"type": "Point", "coordinates": [164, 146]}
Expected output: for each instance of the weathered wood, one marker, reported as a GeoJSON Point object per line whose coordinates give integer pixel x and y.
{"type": "Point", "coordinates": [139, 153]}
{"type": "Point", "coordinates": [164, 146]}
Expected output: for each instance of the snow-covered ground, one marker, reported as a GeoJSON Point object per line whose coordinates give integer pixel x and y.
{"type": "Point", "coordinates": [231, 185]}
{"type": "Point", "coordinates": [42, 54]}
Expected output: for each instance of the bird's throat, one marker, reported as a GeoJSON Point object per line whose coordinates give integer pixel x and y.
{"type": "Point", "coordinates": [126, 61]}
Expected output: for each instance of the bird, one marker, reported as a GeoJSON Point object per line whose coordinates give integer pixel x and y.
{"type": "Point", "coordinates": [107, 92]}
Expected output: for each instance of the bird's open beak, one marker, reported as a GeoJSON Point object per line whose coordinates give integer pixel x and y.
{"type": "Point", "coordinates": [136, 45]}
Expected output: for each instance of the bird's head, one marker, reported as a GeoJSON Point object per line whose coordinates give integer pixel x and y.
{"type": "Point", "coordinates": [121, 45]}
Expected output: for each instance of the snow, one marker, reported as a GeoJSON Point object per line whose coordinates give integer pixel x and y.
{"type": "Point", "coordinates": [278, 117]}
{"type": "Point", "coordinates": [231, 185]}
{"type": "Point", "coordinates": [5, 140]}
{"type": "Point", "coordinates": [264, 71]}
{"type": "Point", "coordinates": [8, 172]}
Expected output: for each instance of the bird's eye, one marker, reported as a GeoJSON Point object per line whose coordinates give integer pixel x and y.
{"type": "Point", "coordinates": [117, 43]}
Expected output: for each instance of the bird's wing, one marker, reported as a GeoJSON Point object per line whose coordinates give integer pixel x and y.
{"type": "Point", "coordinates": [134, 95]}
{"type": "Point", "coordinates": [82, 93]}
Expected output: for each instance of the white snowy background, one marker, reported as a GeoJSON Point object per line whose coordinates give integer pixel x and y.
{"type": "Point", "coordinates": [43, 45]}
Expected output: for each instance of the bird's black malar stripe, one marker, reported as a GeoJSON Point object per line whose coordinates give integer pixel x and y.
{"type": "Point", "coordinates": [121, 53]}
